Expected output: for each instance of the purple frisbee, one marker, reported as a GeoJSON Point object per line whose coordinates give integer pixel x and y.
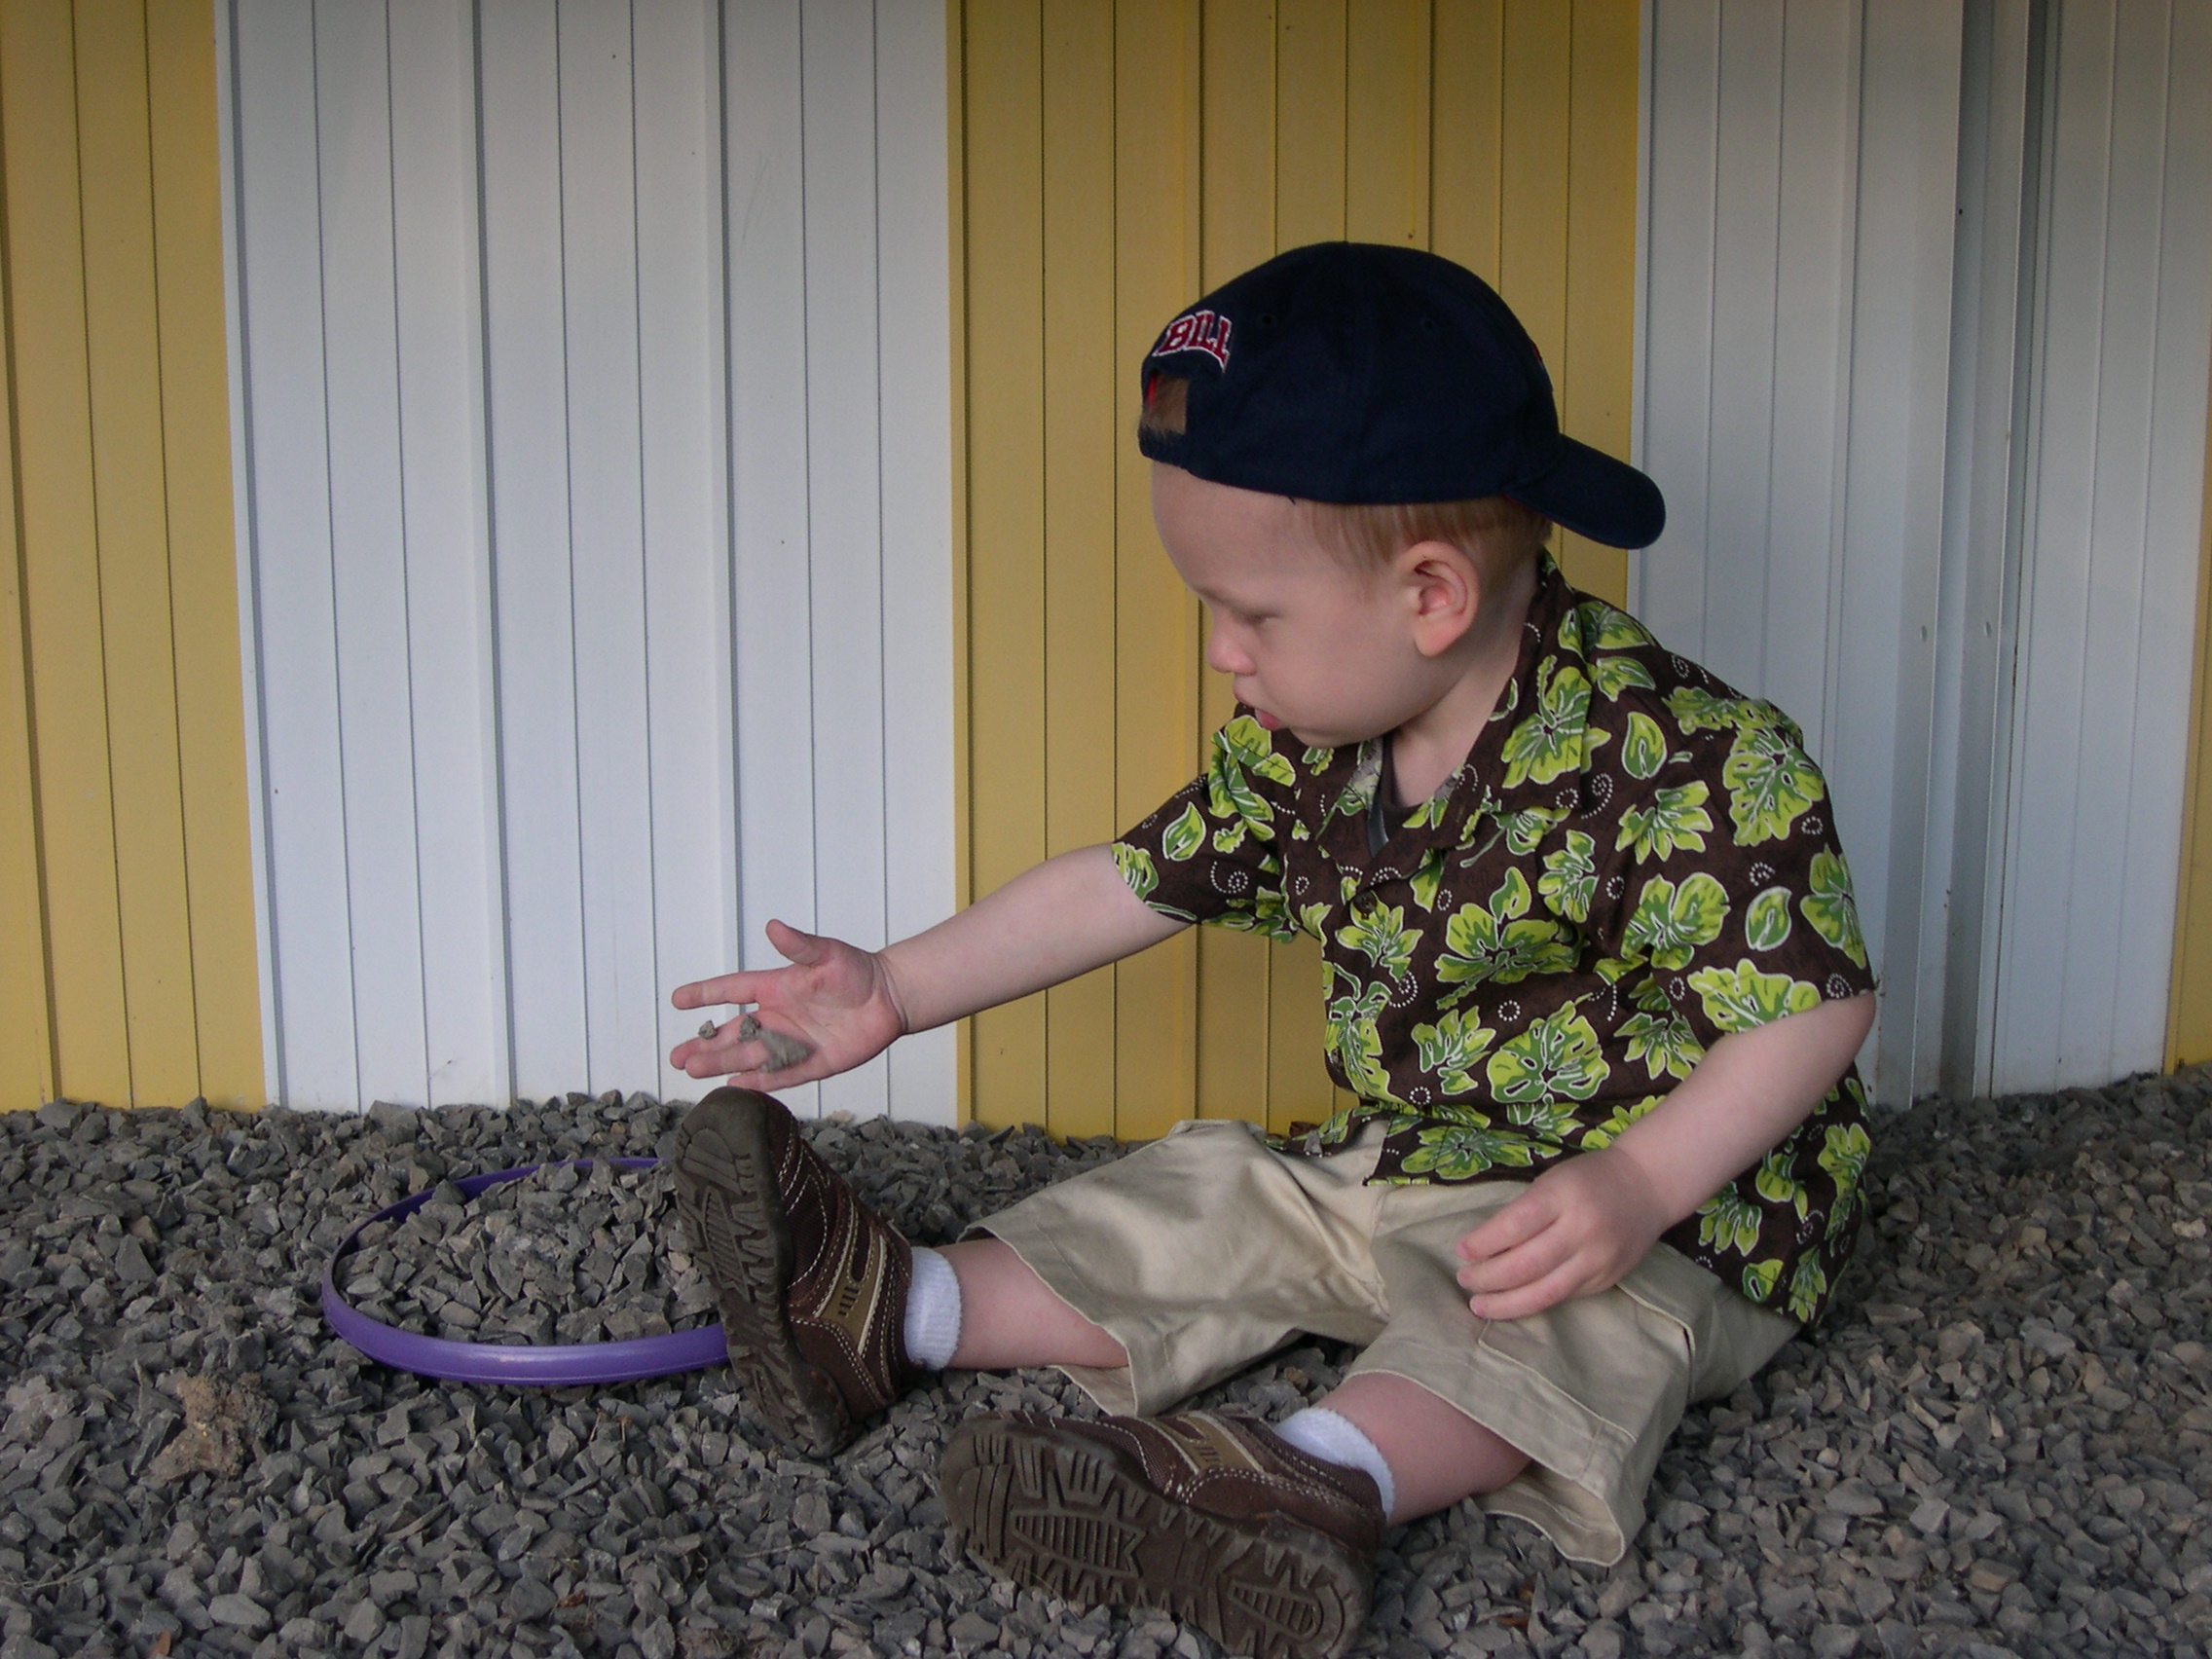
{"type": "Point", "coordinates": [552, 1366]}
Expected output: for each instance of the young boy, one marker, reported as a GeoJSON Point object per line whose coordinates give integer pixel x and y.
{"type": "Point", "coordinates": [1594, 976]}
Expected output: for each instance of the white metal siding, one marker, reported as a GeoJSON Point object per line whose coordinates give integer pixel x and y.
{"type": "Point", "coordinates": [2122, 346]}
{"type": "Point", "coordinates": [596, 397]}
{"type": "Point", "coordinates": [1792, 391]}
{"type": "Point", "coordinates": [1798, 407]}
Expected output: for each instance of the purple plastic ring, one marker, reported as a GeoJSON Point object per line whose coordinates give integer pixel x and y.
{"type": "Point", "coordinates": [552, 1366]}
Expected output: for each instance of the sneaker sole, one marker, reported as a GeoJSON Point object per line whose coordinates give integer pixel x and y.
{"type": "Point", "coordinates": [725, 1193]}
{"type": "Point", "coordinates": [1076, 1520]}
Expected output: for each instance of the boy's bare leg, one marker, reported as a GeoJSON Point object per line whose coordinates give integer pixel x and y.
{"type": "Point", "coordinates": [1437, 1454]}
{"type": "Point", "coordinates": [1009, 1319]}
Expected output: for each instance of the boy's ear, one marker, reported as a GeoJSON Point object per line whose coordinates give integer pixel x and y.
{"type": "Point", "coordinates": [1443, 590]}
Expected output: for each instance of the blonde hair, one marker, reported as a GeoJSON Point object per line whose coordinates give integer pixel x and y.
{"type": "Point", "coordinates": [1492, 529]}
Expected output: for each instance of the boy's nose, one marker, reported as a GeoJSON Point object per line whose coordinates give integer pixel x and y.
{"type": "Point", "coordinates": [1222, 656]}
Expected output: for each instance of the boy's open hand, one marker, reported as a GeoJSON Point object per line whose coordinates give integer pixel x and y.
{"type": "Point", "coordinates": [1578, 1229]}
{"type": "Point", "coordinates": [835, 998]}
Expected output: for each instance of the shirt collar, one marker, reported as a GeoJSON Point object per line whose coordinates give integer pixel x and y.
{"type": "Point", "coordinates": [1509, 771]}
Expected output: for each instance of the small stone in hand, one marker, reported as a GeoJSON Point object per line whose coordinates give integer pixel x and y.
{"type": "Point", "coordinates": [707, 1028]}
{"type": "Point", "coordinates": [784, 1052]}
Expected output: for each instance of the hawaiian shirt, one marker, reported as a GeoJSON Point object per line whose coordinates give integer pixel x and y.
{"type": "Point", "coordinates": [1633, 862]}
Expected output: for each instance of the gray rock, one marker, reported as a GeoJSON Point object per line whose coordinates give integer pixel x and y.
{"type": "Point", "coordinates": [365, 1623]}
{"type": "Point", "coordinates": [971, 1630]}
{"type": "Point", "coordinates": [238, 1612]}
{"type": "Point", "coordinates": [530, 1600]}
{"type": "Point", "coordinates": [1853, 1498]}
{"type": "Point", "coordinates": [2029, 1438]}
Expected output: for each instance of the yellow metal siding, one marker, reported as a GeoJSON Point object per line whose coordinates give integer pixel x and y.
{"type": "Point", "coordinates": [1113, 160]}
{"type": "Point", "coordinates": [129, 973]}
{"type": "Point", "coordinates": [2188, 1006]}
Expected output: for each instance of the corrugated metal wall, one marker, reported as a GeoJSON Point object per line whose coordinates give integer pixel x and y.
{"type": "Point", "coordinates": [591, 376]}
{"type": "Point", "coordinates": [1119, 159]}
{"type": "Point", "coordinates": [1978, 607]}
{"type": "Point", "coordinates": [126, 947]}
{"type": "Point", "coordinates": [2119, 355]}
{"type": "Point", "coordinates": [2188, 1020]}
{"type": "Point", "coordinates": [1794, 395]}
{"type": "Point", "coordinates": [594, 373]}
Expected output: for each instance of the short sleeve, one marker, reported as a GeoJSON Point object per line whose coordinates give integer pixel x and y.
{"type": "Point", "coordinates": [1725, 903]}
{"type": "Point", "coordinates": [1211, 853]}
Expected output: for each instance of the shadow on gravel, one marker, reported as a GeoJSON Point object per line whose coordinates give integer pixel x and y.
{"type": "Point", "coordinates": [1999, 1443]}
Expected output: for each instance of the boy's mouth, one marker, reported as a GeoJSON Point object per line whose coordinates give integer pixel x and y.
{"type": "Point", "coordinates": [1268, 722]}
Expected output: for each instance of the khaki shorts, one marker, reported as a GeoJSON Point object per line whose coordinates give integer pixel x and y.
{"type": "Point", "coordinates": [1205, 1250]}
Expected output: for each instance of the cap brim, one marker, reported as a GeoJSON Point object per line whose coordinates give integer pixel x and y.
{"type": "Point", "coordinates": [1588, 492]}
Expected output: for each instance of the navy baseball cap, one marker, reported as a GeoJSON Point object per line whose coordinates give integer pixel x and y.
{"type": "Point", "coordinates": [1365, 373]}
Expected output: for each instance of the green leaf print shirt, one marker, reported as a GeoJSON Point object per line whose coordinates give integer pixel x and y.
{"type": "Point", "coordinates": [1633, 862]}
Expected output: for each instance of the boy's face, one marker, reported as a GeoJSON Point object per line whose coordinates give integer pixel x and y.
{"type": "Point", "coordinates": [1312, 641]}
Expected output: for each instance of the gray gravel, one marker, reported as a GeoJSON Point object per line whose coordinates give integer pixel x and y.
{"type": "Point", "coordinates": [2000, 1443]}
{"type": "Point", "coordinates": [570, 1253]}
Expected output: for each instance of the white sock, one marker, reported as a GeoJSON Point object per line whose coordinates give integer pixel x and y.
{"type": "Point", "coordinates": [1322, 1433]}
{"type": "Point", "coordinates": [933, 1311]}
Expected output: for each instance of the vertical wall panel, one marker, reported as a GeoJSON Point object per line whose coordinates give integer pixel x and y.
{"type": "Point", "coordinates": [2063, 603]}
{"type": "Point", "coordinates": [26, 1011]}
{"type": "Point", "coordinates": [128, 973]}
{"type": "Point", "coordinates": [914, 358]}
{"type": "Point", "coordinates": [686, 523]}
{"type": "Point", "coordinates": [1668, 580]}
{"type": "Point", "coordinates": [773, 588]}
{"type": "Point", "coordinates": [838, 58]}
{"type": "Point", "coordinates": [368, 564]}
{"type": "Point", "coordinates": [576, 428]}
{"type": "Point", "coordinates": [1814, 228]}
{"type": "Point", "coordinates": [1755, 177]}
{"type": "Point", "coordinates": [1503, 136]}
{"type": "Point", "coordinates": [1158, 239]}
{"type": "Point", "coordinates": [454, 753]}
{"type": "Point", "coordinates": [519, 140]}
{"type": "Point", "coordinates": [1004, 705]}
{"type": "Point", "coordinates": [280, 261]}
{"type": "Point", "coordinates": [1880, 699]}
{"type": "Point", "coordinates": [123, 339]}
{"type": "Point", "coordinates": [60, 553]}
{"type": "Point", "coordinates": [1807, 388]}
{"type": "Point", "coordinates": [2188, 1028]}
{"type": "Point", "coordinates": [1076, 43]}
{"type": "Point", "coordinates": [600, 256]}
{"type": "Point", "coordinates": [1802, 183]}
{"type": "Point", "coordinates": [203, 599]}
{"type": "Point", "coordinates": [1595, 366]}
{"type": "Point", "coordinates": [1738, 426]}
{"type": "Point", "coordinates": [1243, 152]}
{"type": "Point", "coordinates": [2122, 346]}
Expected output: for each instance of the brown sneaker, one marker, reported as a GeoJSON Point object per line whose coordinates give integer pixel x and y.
{"type": "Point", "coordinates": [811, 1282]}
{"type": "Point", "coordinates": [1206, 1515]}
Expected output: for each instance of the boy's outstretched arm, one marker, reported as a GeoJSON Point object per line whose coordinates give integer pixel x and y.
{"type": "Point", "coordinates": [1061, 918]}
{"type": "Point", "coordinates": [1585, 1222]}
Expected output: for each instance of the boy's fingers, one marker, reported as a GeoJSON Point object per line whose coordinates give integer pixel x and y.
{"type": "Point", "coordinates": [805, 949]}
{"type": "Point", "coordinates": [1516, 1224]}
{"type": "Point", "coordinates": [1525, 1263]}
{"type": "Point", "coordinates": [723, 988]}
{"type": "Point", "coordinates": [1547, 1292]}
{"type": "Point", "coordinates": [809, 1070]}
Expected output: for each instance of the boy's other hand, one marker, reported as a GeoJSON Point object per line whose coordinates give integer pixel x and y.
{"type": "Point", "coordinates": [1578, 1229]}
{"type": "Point", "coordinates": [835, 997]}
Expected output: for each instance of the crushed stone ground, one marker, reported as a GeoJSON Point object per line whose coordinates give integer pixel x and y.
{"type": "Point", "coordinates": [2000, 1443]}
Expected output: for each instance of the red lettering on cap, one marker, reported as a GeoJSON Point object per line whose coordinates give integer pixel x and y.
{"type": "Point", "coordinates": [1197, 331]}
